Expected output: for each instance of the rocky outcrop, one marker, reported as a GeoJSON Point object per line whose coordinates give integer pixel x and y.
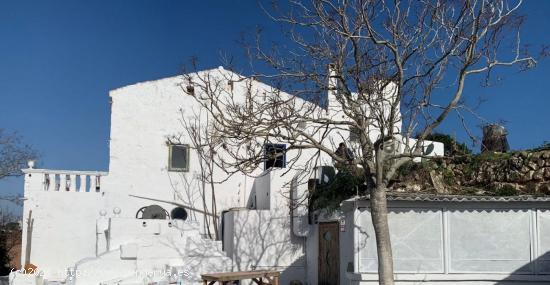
{"type": "Point", "coordinates": [504, 174]}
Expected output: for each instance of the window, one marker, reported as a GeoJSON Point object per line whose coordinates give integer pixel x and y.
{"type": "Point", "coordinates": [275, 156]}
{"type": "Point", "coordinates": [178, 213]}
{"type": "Point", "coordinates": [178, 158]}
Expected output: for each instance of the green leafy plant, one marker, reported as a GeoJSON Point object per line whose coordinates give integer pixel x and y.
{"type": "Point", "coordinates": [544, 146]}
{"type": "Point", "coordinates": [449, 177]}
{"type": "Point", "coordinates": [506, 190]}
{"type": "Point", "coordinates": [451, 146]}
{"type": "Point", "coordinates": [344, 186]}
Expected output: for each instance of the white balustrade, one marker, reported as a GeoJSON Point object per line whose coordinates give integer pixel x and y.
{"type": "Point", "coordinates": [66, 180]}
{"type": "Point", "coordinates": [72, 187]}
{"type": "Point", "coordinates": [57, 179]}
{"type": "Point", "coordinates": [82, 184]}
{"type": "Point", "coordinates": [48, 181]}
{"type": "Point", "coordinates": [92, 184]}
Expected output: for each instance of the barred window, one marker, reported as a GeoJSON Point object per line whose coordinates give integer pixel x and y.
{"type": "Point", "coordinates": [275, 156]}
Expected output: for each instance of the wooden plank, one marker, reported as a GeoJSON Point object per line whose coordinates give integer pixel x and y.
{"type": "Point", "coordinates": [240, 275]}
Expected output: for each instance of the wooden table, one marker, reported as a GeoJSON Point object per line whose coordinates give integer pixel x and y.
{"type": "Point", "coordinates": [260, 277]}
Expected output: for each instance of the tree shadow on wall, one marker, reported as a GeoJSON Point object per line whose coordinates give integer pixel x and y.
{"type": "Point", "coordinates": [534, 272]}
{"type": "Point", "coordinates": [263, 240]}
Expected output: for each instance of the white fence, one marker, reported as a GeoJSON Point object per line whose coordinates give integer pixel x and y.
{"type": "Point", "coordinates": [476, 240]}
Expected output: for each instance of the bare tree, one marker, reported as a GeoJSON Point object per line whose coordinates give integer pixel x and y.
{"type": "Point", "coordinates": [204, 145]}
{"type": "Point", "coordinates": [393, 70]}
{"type": "Point", "coordinates": [14, 154]}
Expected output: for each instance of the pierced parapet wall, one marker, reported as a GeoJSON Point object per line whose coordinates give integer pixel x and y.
{"type": "Point", "coordinates": [63, 180]}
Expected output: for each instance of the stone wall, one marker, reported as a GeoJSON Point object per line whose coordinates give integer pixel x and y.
{"type": "Point", "coordinates": [515, 173]}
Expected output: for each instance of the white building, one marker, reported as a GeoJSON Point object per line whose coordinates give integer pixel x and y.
{"type": "Point", "coordinates": [89, 227]}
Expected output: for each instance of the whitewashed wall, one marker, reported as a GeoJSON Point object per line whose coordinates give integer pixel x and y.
{"type": "Point", "coordinates": [63, 225]}
{"type": "Point", "coordinates": [144, 116]}
{"type": "Point", "coordinates": [263, 239]}
{"type": "Point", "coordinates": [460, 242]}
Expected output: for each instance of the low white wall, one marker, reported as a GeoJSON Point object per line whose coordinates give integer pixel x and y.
{"type": "Point", "coordinates": [468, 242]}
{"type": "Point", "coordinates": [364, 279]}
{"type": "Point", "coordinates": [312, 253]}
{"type": "Point", "coordinates": [262, 239]}
{"type": "Point", "coordinates": [63, 229]}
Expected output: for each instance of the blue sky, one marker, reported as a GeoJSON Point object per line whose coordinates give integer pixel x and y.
{"type": "Point", "coordinates": [59, 59]}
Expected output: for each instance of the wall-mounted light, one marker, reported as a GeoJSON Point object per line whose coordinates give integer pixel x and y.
{"type": "Point", "coordinates": [117, 211]}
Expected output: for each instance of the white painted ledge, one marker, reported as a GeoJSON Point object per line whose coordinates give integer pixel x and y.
{"type": "Point", "coordinates": [451, 277]}
{"type": "Point", "coordinates": [75, 172]}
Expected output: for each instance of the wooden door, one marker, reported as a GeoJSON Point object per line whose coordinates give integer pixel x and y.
{"type": "Point", "coordinates": [329, 253]}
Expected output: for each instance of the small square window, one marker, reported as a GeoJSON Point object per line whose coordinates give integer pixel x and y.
{"type": "Point", "coordinates": [178, 158]}
{"type": "Point", "coordinates": [275, 156]}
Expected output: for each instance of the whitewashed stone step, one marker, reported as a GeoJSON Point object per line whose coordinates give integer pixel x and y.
{"type": "Point", "coordinates": [105, 267]}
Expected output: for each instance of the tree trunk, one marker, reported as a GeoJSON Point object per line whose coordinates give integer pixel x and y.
{"type": "Point", "coordinates": [214, 208]}
{"type": "Point", "coordinates": [379, 214]}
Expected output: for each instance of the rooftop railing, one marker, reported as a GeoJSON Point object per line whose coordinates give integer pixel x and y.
{"type": "Point", "coordinates": [67, 180]}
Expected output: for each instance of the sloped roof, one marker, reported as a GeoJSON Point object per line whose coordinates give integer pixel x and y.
{"type": "Point", "coordinates": [178, 79]}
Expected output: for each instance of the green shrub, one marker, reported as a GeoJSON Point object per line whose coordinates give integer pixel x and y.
{"type": "Point", "coordinates": [344, 186]}
{"type": "Point", "coordinates": [406, 169]}
{"type": "Point", "coordinates": [544, 146]}
{"type": "Point", "coordinates": [451, 146]}
{"type": "Point", "coordinates": [506, 190]}
{"type": "Point", "coordinates": [490, 156]}
{"type": "Point", "coordinates": [449, 177]}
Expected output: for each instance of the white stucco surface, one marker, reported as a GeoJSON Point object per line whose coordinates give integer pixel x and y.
{"type": "Point", "coordinates": [462, 243]}
{"type": "Point", "coordinates": [63, 226]}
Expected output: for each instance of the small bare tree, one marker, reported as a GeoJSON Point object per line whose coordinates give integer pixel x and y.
{"type": "Point", "coordinates": [204, 145]}
{"type": "Point", "coordinates": [14, 154]}
{"type": "Point", "coordinates": [397, 70]}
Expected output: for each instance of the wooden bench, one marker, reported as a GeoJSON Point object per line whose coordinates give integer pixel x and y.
{"type": "Point", "coordinates": [260, 277]}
